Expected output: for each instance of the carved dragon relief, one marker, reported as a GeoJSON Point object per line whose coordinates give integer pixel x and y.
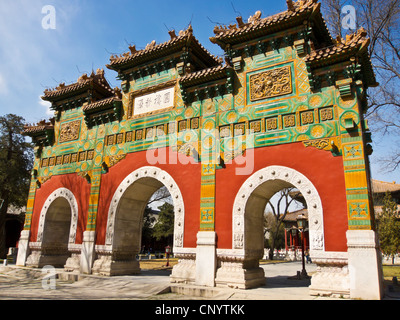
{"type": "Point", "coordinates": [270, 83]}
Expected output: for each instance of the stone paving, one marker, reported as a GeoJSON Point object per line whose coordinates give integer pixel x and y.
{"type": "Point", "coordinates": [27, 283]}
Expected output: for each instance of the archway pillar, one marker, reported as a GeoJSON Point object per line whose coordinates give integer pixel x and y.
{"type": "Point", "coordinates": [365, 265]}
{"type": "Point", "coordinates": [206, 258]}
{"type": "Point", "coordinates": [23, 248]}
{"type": "Point", "coordinates": [87, 252]}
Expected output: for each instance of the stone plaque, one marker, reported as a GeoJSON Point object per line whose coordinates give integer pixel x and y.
{"type": "Point", "coordinates": [158, 100]}
{"type": "Point", "coordinates": [270, 83]}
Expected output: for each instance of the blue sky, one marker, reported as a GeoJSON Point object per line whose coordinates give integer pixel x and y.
{"type": "Point", "coordinates": [87, 32]}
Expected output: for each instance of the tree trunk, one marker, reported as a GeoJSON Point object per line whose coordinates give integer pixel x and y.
{"type": "Point", "coordinates": [271, 249]}
{"type": "Point", "coordinates": [3, 212]}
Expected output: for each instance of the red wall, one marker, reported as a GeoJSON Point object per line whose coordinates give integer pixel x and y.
{"type": "Point", "coordinates": [78, 186]}
{"type": "Point", "coordinates": [320, 167]}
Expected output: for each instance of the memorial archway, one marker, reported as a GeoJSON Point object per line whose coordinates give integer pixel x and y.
{"type": "Point", "coordinates": [125, 220]}
{"type": "Point", "coordinates": [275, 102]}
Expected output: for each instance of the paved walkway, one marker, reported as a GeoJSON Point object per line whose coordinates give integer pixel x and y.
{"type": "Point", "coordinates": [26, 283]}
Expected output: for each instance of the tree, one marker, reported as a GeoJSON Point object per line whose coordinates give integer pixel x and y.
{"type": "Point", "coordinates": [278, 212]}
{"type": "Point", "coordinates": [271, 226]}
{"type": "Point", "coordinates": [164, 227]}
{"type": "Point", "coordinates": [389, 228]}
{"type": "Point", "coordinates": [16, 162]}
{"type": "Point", "coordinates": [381, 20]}
{"type": "Point", "coordinates": [148, 223]}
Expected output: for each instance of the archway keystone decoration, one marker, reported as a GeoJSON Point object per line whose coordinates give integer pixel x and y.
{"type": "Point", "coordinates": [286, 108]}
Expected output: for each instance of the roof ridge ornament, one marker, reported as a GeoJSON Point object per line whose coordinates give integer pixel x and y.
{"type": "Point", "coordinates": [172, 34]}
{"type": "Point", "coordinates": [151, 45]}
{"type": "Point", "coordinates": [255, 18]}
{"type": "Point", "coordinates": [290, 5]}
{"type": "Point", "coordinates": [132, 49]}
{"type": "Point", "coordinates": [188, 31]}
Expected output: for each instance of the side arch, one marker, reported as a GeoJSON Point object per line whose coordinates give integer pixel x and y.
{"type": "Point", "coordinates": [260, 187]}
{"type": "Point", "coordinates": [239, 266]}
{"type": "Point", "coordinates": [69, 199]}
{"type": "Point", "coordinates": [55, 241]}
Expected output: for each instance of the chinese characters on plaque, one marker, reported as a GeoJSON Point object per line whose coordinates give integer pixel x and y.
{"type": "Point", "coordinates": [154, 101]}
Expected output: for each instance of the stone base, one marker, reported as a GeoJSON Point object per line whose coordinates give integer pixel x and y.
{"type": "Point", "coordinates": [239, 274]}
{"type": "Point", "coordinates": [38, 260]}
{"type": "Point", "coordinates": [330, 280]}
{"type": "Point", "coordinates": [73, 263]}
{"type": "Point", "coordinates": [234, 276]}
{"type": "Point", "coordinates": [105, 266]}
{"type": "Point", "coordinates": [185, 270]}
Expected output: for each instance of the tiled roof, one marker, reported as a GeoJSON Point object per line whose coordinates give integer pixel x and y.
{"type": "Point", "coordinates": [98, 105]}
{"type": "Point", "coordinates": [353, 45]}
{"type": "Point", "coordinates": [41, 127]}
{"type": "Point", "coordinates": [208, 74]}
{"type": "Point", "coordinates": [292, 216]}
{"type": "Point", "coordinates": [350, 45]}
{"type": "Point", "coordinates": [258, 26]}
{"type": "Point", "coordinates": [383, 186]}
{"type": "Point", "coordinates": [153, 50]}
{"type": "Point", "coordinates": [83, 82]}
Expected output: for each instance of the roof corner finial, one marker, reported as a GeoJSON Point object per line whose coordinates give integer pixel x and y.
{"type": "Point", "coordinates": [117, 92]}
{"type": "Point", "coordinates": [132, 49]}
{"type": "Point", "coordinates": [172, 34]}
{"type": "Point", "coordinates": [290, 5]}
{"type": "Point", "coordinates": [240, 21]}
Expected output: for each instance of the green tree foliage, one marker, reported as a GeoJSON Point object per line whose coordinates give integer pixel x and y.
{"type": "Point", "coordinates": [148, 222]}
{"type": "Point", "coordinates": [164, 227]}
{"type": "Point", "coordinates": [389, 228]}
{"type": "Point", "coordinates": [16, 160]}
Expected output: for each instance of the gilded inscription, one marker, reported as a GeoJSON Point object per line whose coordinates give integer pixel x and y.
{"type": "Point", "coordinates": [70, 131]}
{"type": "Point", "coordinates": [271, 83]}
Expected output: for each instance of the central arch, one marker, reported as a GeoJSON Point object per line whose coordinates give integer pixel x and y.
{"type": "Point", "coordinates": [125, 218]}
{"type": "Point", "coordinates": [247, 231]}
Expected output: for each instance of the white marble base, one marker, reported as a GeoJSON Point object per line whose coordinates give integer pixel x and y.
{"type": "Point", "coordinates": [365, 265]}
{"type": "Point", "coordinates": [185, 270]}
{"type": "Point", "coordinates": [106, 266]}
{"type": "Point", "coordinates": [239, 274]}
